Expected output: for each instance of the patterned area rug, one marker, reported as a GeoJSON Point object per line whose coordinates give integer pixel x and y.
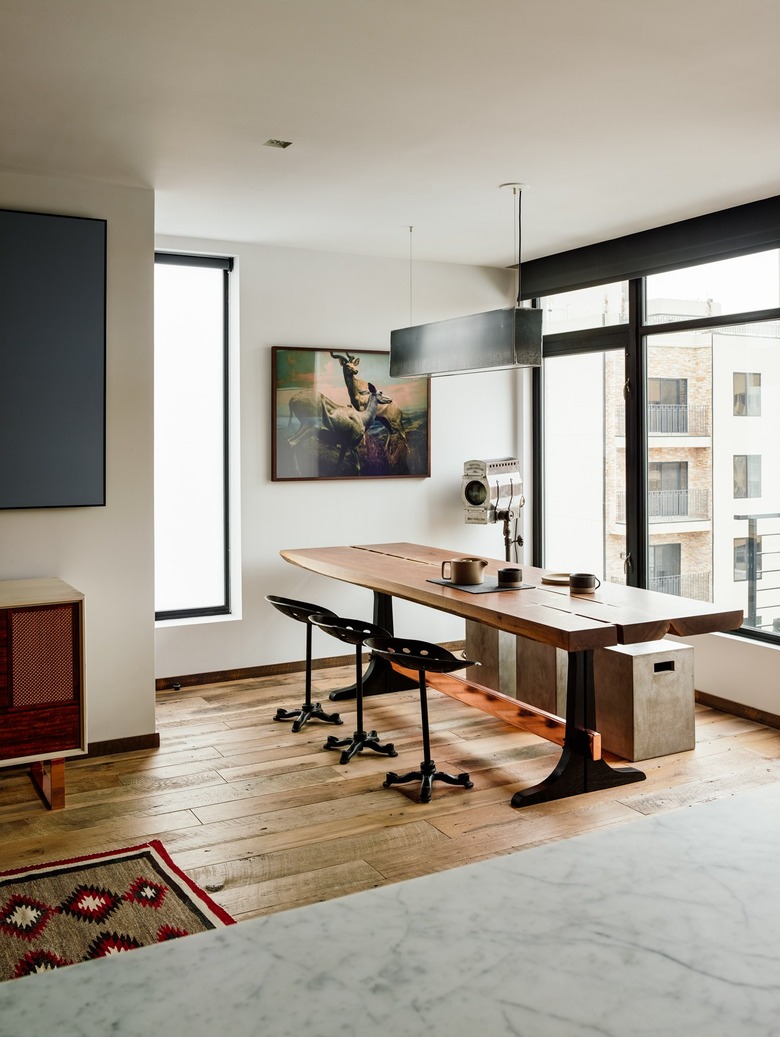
{"type": "Point", "coordinates": [61, 913]}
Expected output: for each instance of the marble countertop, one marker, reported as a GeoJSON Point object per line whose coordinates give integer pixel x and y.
{"type": "Point", "coordinates": [666, 926]}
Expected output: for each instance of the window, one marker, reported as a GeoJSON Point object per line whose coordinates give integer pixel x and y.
{"type": "Point", "coordinates": [191, 436]}
{"type": "Point", "coordinates": [667, 483]}
{"type": "Point", "coordinates": [600, 307]}
{"type": "Point", "coordinates": [583, 464]}
{"type": "Point", "coordinates": [699, 328]}
{"type": "Point", "coordinates": [667, 390]}
{"type": "Point", "coordinates": [735, 285]}
{"type": "Point", "coordinates": [667, 406]}
{"type": "Point", "coordinates": [742, 558]}
{"type": "Point", "coordinates": [747, 475]}
{"type": "Point", "coordinates": [747, 394]}
{"type": "Point", "coordinates": [665, 562]}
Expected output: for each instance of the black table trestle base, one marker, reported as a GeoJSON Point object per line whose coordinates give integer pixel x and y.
{"type": "Point", "coordinates": [380, 678]}
{"type": "Point", "coordinates": [576, 771]}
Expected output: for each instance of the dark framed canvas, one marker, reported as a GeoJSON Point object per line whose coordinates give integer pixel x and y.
{"type": "Point", "coordinates": [52, 360]}
{"type": "Point", "coordinates": [337, 414]}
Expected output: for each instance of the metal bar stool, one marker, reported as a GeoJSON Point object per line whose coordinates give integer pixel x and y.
{"type": "Point", "coordinates": [421, 656]}
{"type": "Point", "coordinates": [355, 632]}
{"type": "Point", "coordinates": [303, 611]}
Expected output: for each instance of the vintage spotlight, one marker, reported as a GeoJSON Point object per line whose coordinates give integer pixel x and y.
{"type": "Point", "coordinates": [492, 491]}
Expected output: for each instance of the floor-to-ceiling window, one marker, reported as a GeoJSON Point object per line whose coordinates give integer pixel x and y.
{"type": "Point", "coordinates": [192, 490]}
{"type": "Point", "coordinates": [697, 499]}
{"type": "Point", "coordinates": [698, 328]}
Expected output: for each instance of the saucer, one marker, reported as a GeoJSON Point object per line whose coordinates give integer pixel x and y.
{"type": "Point", "coordinates": [558, 578]}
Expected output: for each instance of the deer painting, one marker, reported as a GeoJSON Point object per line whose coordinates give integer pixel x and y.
{"type": "Point", "coordinates": [341, 427]}
{"type": "Point", "coordinates": [389, 414]}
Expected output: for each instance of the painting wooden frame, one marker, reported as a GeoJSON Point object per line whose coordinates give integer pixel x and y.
{"type": "Point", "coordinates": [327, 424]}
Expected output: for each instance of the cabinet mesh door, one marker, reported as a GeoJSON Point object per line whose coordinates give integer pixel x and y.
{"type": "Point", "coordinates": [43, 655]}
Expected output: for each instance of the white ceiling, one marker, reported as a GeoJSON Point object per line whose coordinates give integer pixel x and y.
{"type": "Point", "coordinates": [618, 114]}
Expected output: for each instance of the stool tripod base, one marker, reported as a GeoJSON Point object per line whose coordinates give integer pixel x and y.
{"type": "Point", "coordinates": [426, 775]}
{"type": "Point", "coordinates": [357, 743]}
{"type": "Point", "coordinates": [308, 711]}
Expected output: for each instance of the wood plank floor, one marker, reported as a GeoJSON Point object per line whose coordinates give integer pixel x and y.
{"type": "Point", "coordinates": [266, 820]}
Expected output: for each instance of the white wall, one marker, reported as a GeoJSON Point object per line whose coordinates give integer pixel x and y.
{"type": "Point", "coordinates": [106, 553]}
{"type": "Point", "coordinates": [292, 297]}
{"type": "Point", "coordinates": [737, 669]}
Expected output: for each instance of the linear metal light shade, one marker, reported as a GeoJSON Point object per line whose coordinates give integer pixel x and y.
{"type": "Point", "coordinates": [479, 342]}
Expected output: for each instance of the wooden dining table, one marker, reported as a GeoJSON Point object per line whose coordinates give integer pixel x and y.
{"type": "Point", "coordinates": [576, 623]}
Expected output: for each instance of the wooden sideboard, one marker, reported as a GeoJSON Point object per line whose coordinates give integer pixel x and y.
{"type": "Point", "coordinates": [42, 693]}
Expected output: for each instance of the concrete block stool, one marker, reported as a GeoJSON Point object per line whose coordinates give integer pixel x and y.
{"type": "Point", "coordinates": [645, 700]}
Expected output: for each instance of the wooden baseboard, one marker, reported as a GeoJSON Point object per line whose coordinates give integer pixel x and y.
{"type": "Point", "coordinates": [113, 746]}
{"type": "Point", "coordinates": [245, 673]}
{"type": "Point", "coordinates": [738, 709]}
{"type": "Point", "coordinates": [190, 680]}
{"type": "Point", "coordinates": [758, 716]}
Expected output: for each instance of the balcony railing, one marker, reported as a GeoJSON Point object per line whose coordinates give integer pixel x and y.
{"type": "Point", "coordinates": [684, 585]}
{"type": "Point", "coordinates": [762, 571]}
{"type": "Point", "coordinates": [669, 505]}
{"type": "Point", "coordinates": [671, 419]}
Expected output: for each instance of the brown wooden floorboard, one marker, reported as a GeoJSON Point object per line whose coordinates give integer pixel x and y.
{"type": "Point", "coordinates": [267, 820]}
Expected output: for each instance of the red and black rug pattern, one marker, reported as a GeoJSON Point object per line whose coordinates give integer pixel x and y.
{"type": "Point", "coordinates": [57, 914]}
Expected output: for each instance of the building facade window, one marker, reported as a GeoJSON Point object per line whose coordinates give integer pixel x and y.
{"type": "Point", "coordinates": [747, 394]}
{"type": "Point", "coordinates": [665, 568]}
{"type": "Point", "coordinates": [191, 443]}
{"type": "Point", "coordinates": [667, 406]}
{"type": "Point", "coordinates": [747, 476]}
{"type": "Point", "coordinates": [667, 483]}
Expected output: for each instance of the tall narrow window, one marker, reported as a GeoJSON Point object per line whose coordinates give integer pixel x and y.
{"type": "Point", "coordinates": [191, 436]}
{"type": "Point", "coordinates": [747, 475]}
{"type": "Point", "coordinates": [747, 394]}
{"type": "Point", "coordinates": [584, 463]}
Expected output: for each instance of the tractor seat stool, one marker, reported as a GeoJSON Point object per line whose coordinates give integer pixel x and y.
{"type": "Point", "coordinates": [355, 632]}
{"type": "Point", "coordinates": [303, 611]}
{"type": "Point", "coordinates": [421, 656]}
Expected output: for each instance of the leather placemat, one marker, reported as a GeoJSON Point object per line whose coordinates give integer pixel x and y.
{"type": "Point", "coordinates": [490, 586]}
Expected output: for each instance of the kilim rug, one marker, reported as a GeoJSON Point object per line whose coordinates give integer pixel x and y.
{"type": "Point", "coordinates": [57, 914]}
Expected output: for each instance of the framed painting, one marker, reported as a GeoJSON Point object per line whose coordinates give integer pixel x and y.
{"type": "Point", "coordinates": [337, 414]}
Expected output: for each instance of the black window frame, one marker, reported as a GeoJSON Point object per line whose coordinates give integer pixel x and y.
{"type": "Point", "coordinates": [725, 234]}
{"type": "Point", "coordinates": [224, 263]}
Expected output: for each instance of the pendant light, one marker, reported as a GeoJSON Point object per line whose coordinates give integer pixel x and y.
{"type": "Point", "coordinates": [490, 341]}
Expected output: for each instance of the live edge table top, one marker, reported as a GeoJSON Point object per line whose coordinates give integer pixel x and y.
{"type": "Point", "coordinates": [614, 614]}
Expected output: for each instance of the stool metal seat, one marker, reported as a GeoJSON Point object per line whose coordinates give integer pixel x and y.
{"type": "Point", "coordinates": [303, 611]}
{"type": "Point", "coordinates": [421, 656]}
{"type": "Point", "coordinates": [355, 632]}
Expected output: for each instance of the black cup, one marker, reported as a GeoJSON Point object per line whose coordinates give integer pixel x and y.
{"type": "Point", "coordinates": [510, 577]}
{"type": "Point", "coordinates": [583, 582]}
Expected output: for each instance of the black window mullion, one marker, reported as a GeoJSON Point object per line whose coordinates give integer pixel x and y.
{"type": "Point", "coordinates": [537, 466]}
{"type": "Point", "coordinates": [636, 441]}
